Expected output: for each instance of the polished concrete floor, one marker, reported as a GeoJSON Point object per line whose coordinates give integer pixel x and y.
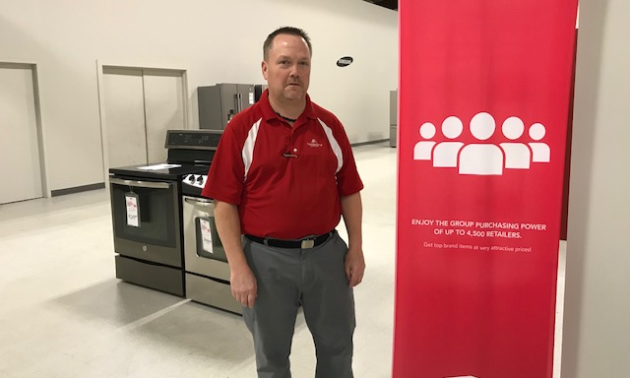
{"type": "Point", "coordinates": [64, 314]}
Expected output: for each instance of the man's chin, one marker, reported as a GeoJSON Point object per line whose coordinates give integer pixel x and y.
{"type": "Point", "coordinates": [294, 94]}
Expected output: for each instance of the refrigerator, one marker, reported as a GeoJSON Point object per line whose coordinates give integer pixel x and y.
{"type": "Point", "coordinates": [219, 103]}
{"type": "Point", "coordinates": [258, 91]}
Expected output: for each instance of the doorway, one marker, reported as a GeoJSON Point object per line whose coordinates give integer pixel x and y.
{"type": "Point", "coordinates": [21, 142]}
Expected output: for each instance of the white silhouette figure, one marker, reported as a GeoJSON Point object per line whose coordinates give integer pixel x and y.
{"type": "Point", "coordinates": [542, 152]}
{"type": "Point", "coordinates": [422, 150]}
{"type": "Point", "coordinates": [445, 153]}
{"type": "Point", "coordinates": [481, 159]}
{"type": "Point", "coordinates": [517, 155]}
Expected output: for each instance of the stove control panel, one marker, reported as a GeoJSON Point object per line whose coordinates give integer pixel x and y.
{"type": "Point", "coordinates": [198, 181]}
{"type": "Point", "coordinates": [193, 139]}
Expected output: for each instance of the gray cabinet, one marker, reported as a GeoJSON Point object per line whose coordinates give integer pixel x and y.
{"type": "Point", "coordinates": [219, 103]}
{"type": "Point", "coordinates": [393, 117]}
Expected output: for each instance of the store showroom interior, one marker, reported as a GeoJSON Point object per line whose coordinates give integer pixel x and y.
{"type": "Point", "coordinates": [98, 99]}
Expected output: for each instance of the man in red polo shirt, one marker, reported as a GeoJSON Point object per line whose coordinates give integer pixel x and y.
{"type": "Point", "coordinates": [282, 177]}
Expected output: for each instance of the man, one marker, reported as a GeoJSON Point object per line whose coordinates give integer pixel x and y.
{"type": "Point", "coordinates": [283, 175]}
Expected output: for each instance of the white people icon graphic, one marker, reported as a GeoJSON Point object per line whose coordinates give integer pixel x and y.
{"type": "Point", "coordinates": [517, 155]}
{"type": "Point", "coordinates": [422, 150]}
{"type": "Point", "coordinates": [445, 153]}
{"type": "Point", "coordinates": [542, 152]}
{"type": "Point", "coordinates": [482, 157]}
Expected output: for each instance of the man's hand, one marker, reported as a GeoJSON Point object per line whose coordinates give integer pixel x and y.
{"type": "Point", "coordinates": [355, 266]}
{"type": "Point", "coordinates": [244, 287]}
{"type": "Point", "coordinates": [242, 280]}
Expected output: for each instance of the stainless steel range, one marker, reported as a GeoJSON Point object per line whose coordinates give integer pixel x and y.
{"type": "Point", "coordinates": [146, 206]}
{"type": "Point", "coordinates": [207, 270]}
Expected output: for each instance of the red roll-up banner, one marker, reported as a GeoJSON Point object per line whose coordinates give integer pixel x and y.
{"type": "Point", "coordinates": [483, 106]}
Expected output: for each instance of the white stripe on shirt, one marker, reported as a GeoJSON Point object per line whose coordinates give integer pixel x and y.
{"type": "Point", "coordinates": [333, 143]}
{"type": "Point", "coordinates": [248, 147]}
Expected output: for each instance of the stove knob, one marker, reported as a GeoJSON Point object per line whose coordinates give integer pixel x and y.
{"type": "Point", "coordinates": [200, 178]}
{"type": "Point", "coordinates": [191, 178]}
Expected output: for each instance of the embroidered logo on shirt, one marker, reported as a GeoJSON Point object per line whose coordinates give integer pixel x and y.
{"type": "Point", "coordinates": [313, 143]}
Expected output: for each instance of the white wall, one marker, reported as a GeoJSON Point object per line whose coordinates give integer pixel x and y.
{"type": "Point", "coordinates": [596, 336]}
{"type": "Point", "coordinates": [216, 41]}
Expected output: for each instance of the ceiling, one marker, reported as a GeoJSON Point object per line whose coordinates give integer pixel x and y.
{"type": "Point", "coordinates": [389, 4]}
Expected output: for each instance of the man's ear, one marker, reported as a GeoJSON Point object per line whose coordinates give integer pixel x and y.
{"type": "Point", "coordinates": [264, 69]}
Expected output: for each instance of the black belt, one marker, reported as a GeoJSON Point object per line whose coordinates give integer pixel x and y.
{"type": "Point", "coordinates": [302, 243]}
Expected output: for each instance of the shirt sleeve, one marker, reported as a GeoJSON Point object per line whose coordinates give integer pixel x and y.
{"type": "Point", "coordinates": [227, 171]}
{"type": "Point", "coordinates": [348, 179]}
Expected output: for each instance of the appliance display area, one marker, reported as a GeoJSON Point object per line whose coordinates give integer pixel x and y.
{"type": "Point", "coordinates": [158, 209]}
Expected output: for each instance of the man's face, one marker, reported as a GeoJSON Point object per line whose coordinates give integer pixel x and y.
{"type": "Point", "coordinates": [287, 67]}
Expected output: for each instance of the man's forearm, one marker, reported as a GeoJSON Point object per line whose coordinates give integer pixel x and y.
{"type": "Point", "coordinates": [352, 211]}
{"type": "Point", "coordinates": [229, 229]}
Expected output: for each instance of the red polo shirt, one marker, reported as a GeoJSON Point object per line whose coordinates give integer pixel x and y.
{"type": "Point", "coordinates": [278, 196]}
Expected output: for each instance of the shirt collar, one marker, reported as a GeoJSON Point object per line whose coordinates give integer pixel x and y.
{"type": "Point", "coordinates": [269, 113]}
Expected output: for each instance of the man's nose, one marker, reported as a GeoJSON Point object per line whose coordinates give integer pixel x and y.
{"type": "Point", "coordinates": [294, 70]}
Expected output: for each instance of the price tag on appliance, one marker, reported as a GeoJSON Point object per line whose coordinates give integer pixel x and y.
{"type": "Point", "coordinates": [206, 235]}
{"type": "Point", "coordinates": [133, 209]}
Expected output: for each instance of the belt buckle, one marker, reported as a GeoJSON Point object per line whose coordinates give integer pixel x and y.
{"type": "Point", "coordinates": [307, 243]}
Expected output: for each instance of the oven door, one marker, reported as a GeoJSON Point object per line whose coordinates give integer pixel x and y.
{"type": "Point", "coordinates": [203, 251]}
{"type": "Point", "coordinates": [146, 220]}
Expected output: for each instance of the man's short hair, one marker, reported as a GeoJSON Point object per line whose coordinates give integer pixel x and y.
{"type": "Point", "coordinates": [286, 30]}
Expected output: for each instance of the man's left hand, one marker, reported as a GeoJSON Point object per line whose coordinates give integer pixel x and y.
{"type": "Point", "coordinates": [355, 266]}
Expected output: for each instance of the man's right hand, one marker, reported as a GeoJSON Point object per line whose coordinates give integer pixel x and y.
{"type": "Point", "coordinates": [244, 287]}
{"type": "Point", "coordinates": [242, 280]}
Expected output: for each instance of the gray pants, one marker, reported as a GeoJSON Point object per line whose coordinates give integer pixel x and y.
{"type": "Point", "coordinates": [315, 279]}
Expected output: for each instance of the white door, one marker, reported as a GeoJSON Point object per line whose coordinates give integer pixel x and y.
{"type": "Point", "coordinates": [123, 95]}
{"type": "Point", "coordinates": [20, 165]}
{"type": "Point", "coordinates": [140, 105]}
{"type": "Point", "coordinates": [164, 109]}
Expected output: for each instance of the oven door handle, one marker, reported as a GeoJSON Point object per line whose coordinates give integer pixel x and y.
{"type": "Point", "coordinates": [200, 202]}
{"type": "Point", "coordinates": [140, 184]}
